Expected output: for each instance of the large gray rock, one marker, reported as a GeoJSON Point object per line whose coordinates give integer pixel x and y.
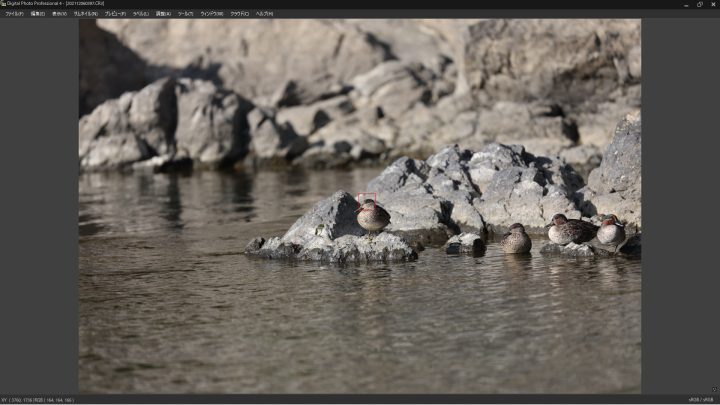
{"type": "Point", "coordinates": [330, 232]}
{"type": "Point", "coordinates": [134, 127]}
{"type": "Point", "coordinates": [212, 126]}
{"type": "Point", "coordinates": [523, 188]}
{"type": "Point", "coordinates": [433, 197]}
{"type": "Point", "coordinates": [615, 187]}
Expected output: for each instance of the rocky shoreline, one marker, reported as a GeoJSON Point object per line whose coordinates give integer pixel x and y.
{"type": "Point", "coordinates": [479, 123]}
{"type": "Point", "coordinates": [336, 93]}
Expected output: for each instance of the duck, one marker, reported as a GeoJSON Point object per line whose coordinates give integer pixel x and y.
{"type": "Point", "coordinates": [612, 231]}
{"type": "Point", "coordinates": [563, 231]}
{"type": "Point", "coordinates": [516, 240]}
{"type": "Point", "coordinates": [372, 217]}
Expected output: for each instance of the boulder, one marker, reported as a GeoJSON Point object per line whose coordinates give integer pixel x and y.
{"type": "Point", "coordinates": [574, 250]}
{"type": "Point", "coordinates": [469, 243]}
{"type": "Point", "coordinates": [134, 127]}
{"type": "Point", "coordinates": [330, 232]}
{"type": "Point", "coordinates": [431, 198]}
{"type": "Point", "coordinates": [615, 187]}
{"type": "Point", "coordinates": [212, 126]}
{"type": "Point", "coordinates": [523, 188]}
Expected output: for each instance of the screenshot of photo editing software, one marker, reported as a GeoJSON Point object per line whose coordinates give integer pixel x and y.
{"type": "Point", "coordinates": [258, 202]}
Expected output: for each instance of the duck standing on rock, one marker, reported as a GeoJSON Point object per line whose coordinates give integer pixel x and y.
{"type": "Point", "coordinates": [563, 231]}
{"type": "Point", "coordinates": [611, 232]}
{"type": "Point", "coordinates": [516, 240]}
{"type": "Point", "coordinates": [372, 217]}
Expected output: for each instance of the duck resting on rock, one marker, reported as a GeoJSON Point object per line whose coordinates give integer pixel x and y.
{"type": "Point", "coordinates": [563, 231]}
{"type": "Point", "coordinates": [372, 217]}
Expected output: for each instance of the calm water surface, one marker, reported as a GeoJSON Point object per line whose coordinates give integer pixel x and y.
{"type": "Point", "coordinates": [168, 303]}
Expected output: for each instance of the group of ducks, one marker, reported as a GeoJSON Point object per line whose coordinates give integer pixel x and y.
{"type": "Point", "coordinates": [561, 230]}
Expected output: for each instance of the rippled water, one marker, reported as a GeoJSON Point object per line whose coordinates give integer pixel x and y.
{"type": "Point", "coordinates": [168, 303]}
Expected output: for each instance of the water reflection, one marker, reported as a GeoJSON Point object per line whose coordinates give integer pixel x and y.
{"type": "Point", "coordinates": [169, 304]}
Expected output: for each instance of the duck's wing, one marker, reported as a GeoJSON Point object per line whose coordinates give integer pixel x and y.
{"type": "Point", "coordinates": [384, 214]}
{"type": "Point", "coordinates": [584, 225]}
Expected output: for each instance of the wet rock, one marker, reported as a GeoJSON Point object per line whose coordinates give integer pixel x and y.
{"type": "Point", "coordinates": [134, 127]}
{"type": "Point", "coordinates": [272, 143]}
{"type": "Point", "coordinates": [465, 243]}
{"type": "Point", "coordinates": [574, 250]}
{"type": "Point", "coordinates": [330, 232]}
{"type": "Point", "coordinates": [632, 246]}
{"type": "Point", "coordinates": [615, 186]}
{"type": "Point", "coordinates": [165, 163]}
{"type": "Point", "coordinates": [383, 247]}
{"type": "Point", "coordinates": [255, 244]}
{"type": "Point", "coordinates": [212, 128]}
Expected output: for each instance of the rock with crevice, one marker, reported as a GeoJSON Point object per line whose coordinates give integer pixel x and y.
{"type": "Point", "coordinates": [135, 126]}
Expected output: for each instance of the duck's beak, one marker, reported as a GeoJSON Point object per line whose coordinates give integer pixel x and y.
{"type": "Point", "coordinates": [548, 226]}
{"type": "Point", "coordinates": [358, 209]}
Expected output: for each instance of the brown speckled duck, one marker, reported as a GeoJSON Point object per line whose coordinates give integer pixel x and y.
{"type": "Point", "coordinates": [516, 240]}
{"type": "Point", "coordinates": [563, 231]}
{"type": "Point", "coordinates": [372, 217]}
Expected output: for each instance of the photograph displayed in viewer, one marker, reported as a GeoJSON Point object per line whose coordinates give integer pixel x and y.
{"type": "Point", "coordinates": [360, 206]}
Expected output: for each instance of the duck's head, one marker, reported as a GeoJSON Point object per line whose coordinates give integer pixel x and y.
{"type": "Point", "coordinates": [368, 204]}
{"type": "Point", "coordinates": [517, 228]}
{"type": "Point", "coordinates": [557, 219]}
{"type": "Point", "coordinates": [611, 219]}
